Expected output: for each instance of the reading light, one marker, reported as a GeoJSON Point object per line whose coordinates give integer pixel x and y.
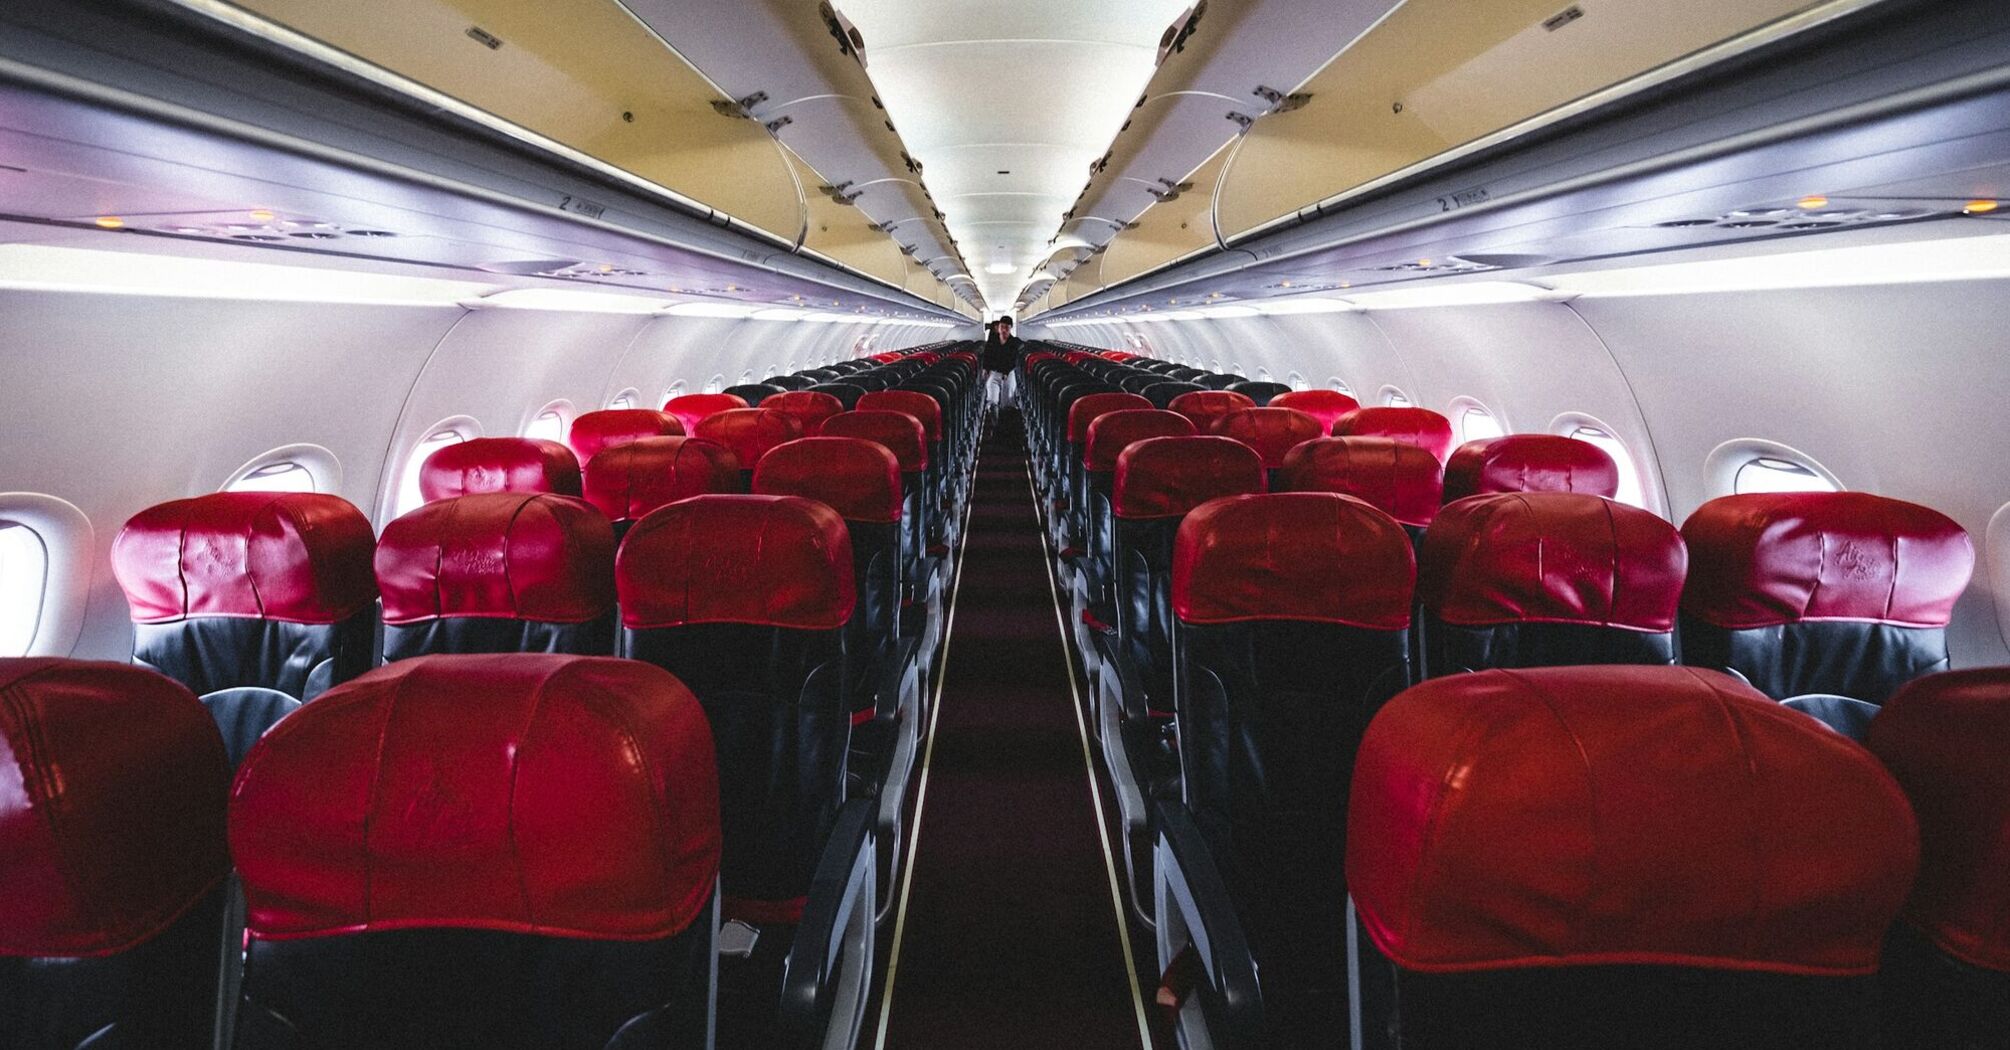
{"type": "Point", "coordinates": [261, 214]}
{"type": "Point", "coordinates": [1812, 201]}
{"type": "Point", "coordinates": [1975, 207]}
{"type": "Point", "coordinates": [110, 222]}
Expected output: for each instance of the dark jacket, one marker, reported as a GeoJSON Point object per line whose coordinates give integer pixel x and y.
{"type": "Point", "coordinates": [1002, 356]}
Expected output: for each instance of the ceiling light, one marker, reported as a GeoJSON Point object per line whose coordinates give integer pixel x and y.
{"type": "Point", "coordinates": [1001, 268]}
{"type": "Point", "coordinates": [110, 222]}
{"type": "Point", "coordinates": [1904, 262]}
{"type": "Point", "coordinates": [1812, 202]}
{"type": "Point", "coordinates": [564, 299]}
{"type": "Point", "coordinates": [1469, 293]}
{"type": "Point", "coordinates": [44, 268]}
{"type": "Point", "coordinates": [1976, 207]}
{"type": "Point", "coordinates": [1227, 311]}
{"type": "Point", "coordinates": [1310, 304]}
{"type": "Point", "coordinates": [712, 310]}
{"type": "Point", "coordinates": [781, 313]}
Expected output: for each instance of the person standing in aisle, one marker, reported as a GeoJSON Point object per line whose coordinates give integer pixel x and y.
{"type": "Point", "coordinates": [1001, 356]}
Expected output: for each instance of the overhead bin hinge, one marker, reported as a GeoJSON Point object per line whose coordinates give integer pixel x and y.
{"type": "Point", "coordinates": [838, 194]}
{"type": "Point", "coordinates": [1170, 191]}
{"type": "Point", "coordinates": [778, 124]}
{"type": "Point", "coordinates": [1279, 101]}
{"type": "Point", "coordinates": [913, 166]}
{"type": "Point", "coordinates": [739, 108]}
{"type": "Point", "coordinates": [1242, 120]}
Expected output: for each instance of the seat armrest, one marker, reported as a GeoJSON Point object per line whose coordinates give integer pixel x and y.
{"type": "Point", "coordinates": [829, 969]}
{"type": "Point", "coordinates": [1193, 899]}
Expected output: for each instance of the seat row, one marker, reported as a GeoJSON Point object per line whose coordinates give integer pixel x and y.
{"type": "Point", "coordinates": [767, 632]}
{"type": "Point", "coordinates": [1254, 636]}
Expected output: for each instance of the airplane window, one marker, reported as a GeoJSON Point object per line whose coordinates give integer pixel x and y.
{"type": "Point", "coordinates": [550, 422]}
{"type": "Point", "coordinates": [1339, 386]}
{"type": "Point", "coordinates": [1773, 474]}
{"type": "Point", "coordinates": [676, 390]}
{"type": "Point", "coordinates": [1476, 423]}
{"type": "Point", "coordinates": [1297, 381]}
{"type": "Point", "coordinates": [1262, 374]}
{"type": "Point", "coordinates": [1629, 473]}
{"type": "Point", "coordinates": [24, 575]}
{"type": "Point", "coordinates": [282, 476]}
{"type": "Point", "coordinates": [625, 399]}
{"type": "Point", "coordinates": [409, 497]}
{"type": "Point", "coordinates": [1395, 398]}
{"type": "Point", "coordinates": [715, 384]}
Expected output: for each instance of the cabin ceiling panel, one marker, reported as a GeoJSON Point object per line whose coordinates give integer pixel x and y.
{"type": "Point", "coordinates": [1017, 98]}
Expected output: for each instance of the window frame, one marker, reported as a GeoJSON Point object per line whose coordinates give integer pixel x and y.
{"type": "Point", "coordinates": [1463, 406]}
{"type": "Point", "coordinates": [627, 398]}
{"type": "Point", "coordinates": [323, 469]}
{"type": "Point", "coordinates": [1646, 484]}
{"type": "Point", "coordinates": [1392, 396]}
{"type": "Point", "coordinates": [1727, 461]}
{"type": "Point", "coordinates": [467, 429]}
{"type": "Point", "coordinates": [560, 408]}
{"type": "Point", "coordinates": [69, 547]}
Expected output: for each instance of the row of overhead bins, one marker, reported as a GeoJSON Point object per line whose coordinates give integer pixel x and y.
{"type": "Point", "coordinates": [751, 111]}
{"type": "Point", "coordinates": [1243, 130]}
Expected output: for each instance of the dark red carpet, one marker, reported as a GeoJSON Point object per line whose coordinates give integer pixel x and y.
{"type": "Point", "coordinates": [1011, 939]}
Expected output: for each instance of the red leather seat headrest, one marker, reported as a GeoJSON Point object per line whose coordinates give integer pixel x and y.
{"type": "Point", "coordinates": [1412, 426]}
{"type": "Point", "coordinates": [1942, 737]}
{"type": "Point", "coordinates": [1589, 816]}
{"type": "Point", "coordinates": [113, 784]}
{"type": "Point", "coordinates": [596, 432]}
{"type": "Point", "coordinates": [505, 555]}
{"type": "Point", "coordinates": [561, 796]}
{"type": "Point", "coordinates": [502, 464]}
{"type": "Point", "coordinates": [749, 432]}
{"type": "Point", "coordinates": [913, 402]}
{"type": "Point", "coordinates": [1086, 408]}
{"type": "Point", "coordinates": [1781, 557]}
{"type": "Point", "coordinates": [1326, 406]}
{"type": "Point", "coordinates": [1552, 557]}
{"type": "Point", "coordinates": [691, 409]}
{"type": "Point", "coordinates": [1530, 463]}
{"type": "Point", "coordinates": [899, 433]}
{"type": "Point", "coordinates": [1310, 556]}
{"type": "Point", "coordinates": [628, 481]}
{"type": "Point", "coordinates": [778, 561]}
{"type": "Point", "coordinates": [1399, 480]}
{"type": "Point", "coordinates": [1113, 432]}
{"type": "Point", "coordinates": [1272, 432]}
{"type": "Point", "coordinates": [810, 407]}
{"type": "Point", "coordinates": [1167, 477]}
{"type": "Point", "coordinates": [296, 557]}
{"type": "Point", "coordinates": [1206, 406]}
{"type": "Point", "coordinates": [857, 478]}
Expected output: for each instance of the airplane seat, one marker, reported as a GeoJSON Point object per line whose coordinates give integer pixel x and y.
{"type": "Point", "coordinates": [1162, 393]}
{"type": "Point", "coordinates": [821, 375]}
{"type": "Point", "coordinates": [1137, 381]}
{"type": "Point", "coordinates": [810, 407]}
{"type": "Point", "coordinates": [1272, 432]}
{"type": "Point", "coordinates": [746, 600]}
{"type": "Point", "coordinates": [1222, 381]}
{"type": "Point", "coordinates": [907, 438]}
{"type": "Point", "coordinates": [847, 393]}
{"type": "Point", "coordinates": [1845, 715]}
{"type": "Point", "coordinates": [749, 433]}
{"type": "Point", "coordinates": [1413, 426]}
{"type": "Point", "coordinates": [1327, 406]}
{"type": "Point", "coordinates": [1261, 391]}
{"type": "Point", "coordinates": [1657, 858]}
{"type": "Point", "coordinates": [1187, 374]}
{"type": "Point", "coordinates": [926, 409]}
{"type": "Point", "coordinates": [265, 589]}
{"type": "Point", "coordinates": [628, 481]}
{"type": "Point", "coordinates": [755, 393]}
{"type": "Point", "coordinates": [503, 572]}
{"type": "Point", "coordinates": [1822, 592]}
{"type": "Point", "coordinates": [114, 863]}
{"type": "Point", "coordinates": [1530, 463]}
{"type": "Point", "coordinates": [417, 873]}
{"type": "Point", "coordinates": [1402, 481]}
{"type": "Point", "coordinates": [1292, 628]}
{"type": "Point", "coordinates": [692, 409]}
{"type": "Point", "coordinates": [499, 464]}
{"type": "Point", "coordinates": [595, 432]}
{"type": "Point", "coordinates": [789, 382]}
{"type": "Point", "coordinates": [1109, 435]}
{"type": "Point", "coordinates": [1068, 388]}
{"type": "Point", "coordinates": [1206, 406]}
{"type": "Point", "coordinates": [1946, 977]}
{"type": "Point", "coordinates": [1539, 579]}
{"type": "Point", "coordinates": [934, 401]}
{"type": "Point", "coordinates": [1082, 412]}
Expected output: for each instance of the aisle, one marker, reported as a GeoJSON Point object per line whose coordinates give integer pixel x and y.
{"type": "Point", "coordinates": [1010, 938]}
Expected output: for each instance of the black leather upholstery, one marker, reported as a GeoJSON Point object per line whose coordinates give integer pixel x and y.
{"type": "Point", "coordinates": [1868, 661]}
{"type": "Point", "coordinates": [1453, 648]}
{"type": "Point", "coordinates": [483, 634]}
{"type": "Point", "coordinates": [211, 653]}
{"type": "Point", "coordinates": [158, 995]}
{"type": "Point", "coordinates": [243, 715]}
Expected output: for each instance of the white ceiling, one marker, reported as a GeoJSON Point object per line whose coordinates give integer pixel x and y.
{"type": "Point", "coordinates": [1006, 104]}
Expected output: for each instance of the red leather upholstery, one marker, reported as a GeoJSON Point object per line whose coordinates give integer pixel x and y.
{"type": "Point", "coordinates": [1310, 556]}
{"type": "Point", "coordinates": [1113, 432]}
{"type": "Point", "coordinates": [1942, 737]}
{"type": "Point", "coordinates": [810, 407]}
{"type": "Point", "coordinates": [1530, 463]}
{"type": "Point", "coordinates": [1167, 477]}
{"type": "Point", "coordinates": [510, 555]}
{"type": "Point", "coordinates": [628, 481]}
{"type": "Point", "coordinates": [690, 409]}
{"type": "Point", "coordinates": [857, 478]}
{"type": "Point", "coordinates": [1085, 410]}
{"type": "Point", "coordinates": [1326, 406]}
{"type": "Point", "coordinates": [913, 402]}
{"type": "Point", "coordinates": [749, 432]}
{"type": "Point", "coordinates": [1206, 406]}
{"type": "Point", "coordinates": [596, 432]}
{"type": "Point", "coordinates": [1782, 557]}
{"type": "Point", "coordinates": [781, 561]}
{"type": "Point", "coordinates": [898, 432]}
{"type": "Point", "coordinates": [1552, 557]}
{"type": "Point", "coordinates": [1412, 426]}
{"type": "Point", "coordinates": [1572, 816]}
{"type": "Point", "coordinates": [295, 557]}
{"type": "Point", "coordinates": [1272, 432]}
{"type": "Point", "coordinates": [1399, 480]}
{"type": "Point", "coordinates": [503, 464]}
{"type": "Point", "coordinates": [561, 796]}
{"type": "Point", "coordinates": [113, 783]}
